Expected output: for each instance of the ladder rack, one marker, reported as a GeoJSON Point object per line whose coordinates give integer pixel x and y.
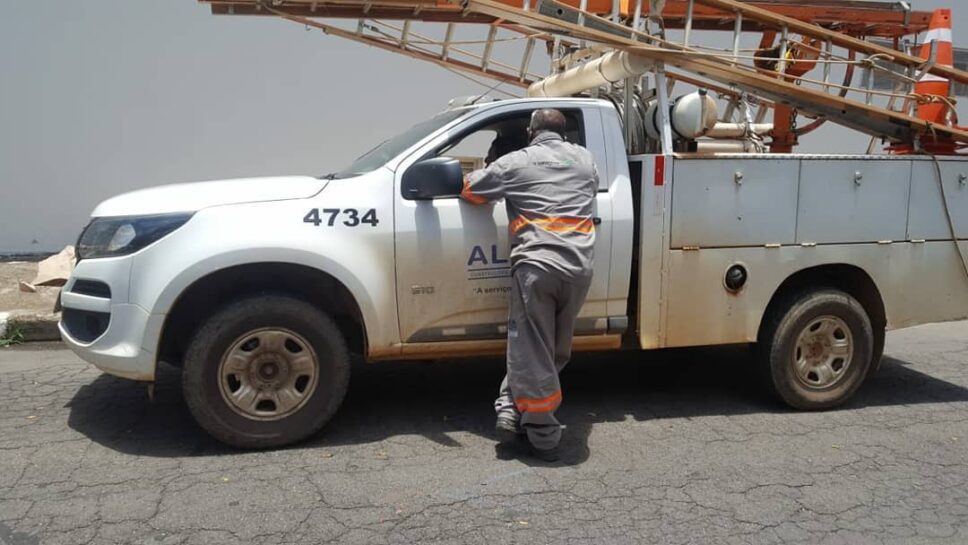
{"type": "Point", "coordinates": [793, 77]}
{"type": "Point", "coordinates": [863, 18]}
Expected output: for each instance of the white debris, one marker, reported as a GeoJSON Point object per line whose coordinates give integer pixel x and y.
{"type": "Point", "coordinates": [55, 270]}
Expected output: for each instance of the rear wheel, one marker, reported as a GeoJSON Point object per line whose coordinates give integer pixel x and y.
{"type": "Point", "coordinates": [265, 371]}
{"type": "Point", "coordinates": [815, 348]}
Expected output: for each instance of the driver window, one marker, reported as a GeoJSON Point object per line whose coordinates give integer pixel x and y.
{"type": "Point", "coordinates": [471, 150]}
{"type": "Point", "coordinates": [487, 143]}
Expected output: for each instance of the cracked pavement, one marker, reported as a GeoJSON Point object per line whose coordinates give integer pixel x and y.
{"type": "Point", "coordinates": [671, 447]}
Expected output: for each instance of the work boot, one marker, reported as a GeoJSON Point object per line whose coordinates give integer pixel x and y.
{"type": "Point", "coordinates": [523, 446]}
{"type": "Point", "coordinates": [507, 428]}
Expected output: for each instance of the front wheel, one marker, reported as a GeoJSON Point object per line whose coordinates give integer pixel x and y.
{"type": "Point", "coordinates": [815, 348]}
{"type": "Point", "coordinates": [265, 371]}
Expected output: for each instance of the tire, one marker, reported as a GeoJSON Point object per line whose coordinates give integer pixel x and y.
{"type": "Point", "coordinates": [265, 371]}
{"type": "Point", "coordinates": [828, 332]}
{"type": "Point", "coordinates": [878, 352]}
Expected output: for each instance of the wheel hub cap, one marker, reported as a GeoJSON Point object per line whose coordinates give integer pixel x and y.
{"type": "Point", "coordinates": [268, 374]}
{"type": "Point", "coordinates": [823, 352]}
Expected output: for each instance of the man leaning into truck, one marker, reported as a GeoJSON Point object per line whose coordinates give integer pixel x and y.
{"type": "Point", "coordinates": [549, 189]}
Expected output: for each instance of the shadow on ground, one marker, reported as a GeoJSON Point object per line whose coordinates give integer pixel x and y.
{"type": "Point", "coordinates": [435, 399]}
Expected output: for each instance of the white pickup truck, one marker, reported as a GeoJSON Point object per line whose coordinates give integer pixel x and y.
{"type": "Point", "coordinates": [260, 289]}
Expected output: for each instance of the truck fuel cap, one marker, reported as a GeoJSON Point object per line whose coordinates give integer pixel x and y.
{"type": "Point", "coordinates": [735, 277]}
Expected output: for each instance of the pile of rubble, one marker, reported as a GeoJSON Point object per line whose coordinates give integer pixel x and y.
{"type": "Point", "coordinates": [30, 297]}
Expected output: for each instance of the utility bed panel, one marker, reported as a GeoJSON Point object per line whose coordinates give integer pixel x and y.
{"type": "Point", "coordinates": [710, 208]}
{"type": "Point", "coordinates": [927, 220]}
{"type": "Point", "coordinates": [721, 202]}
{"type": "Point", "coordinates": [852, 201]}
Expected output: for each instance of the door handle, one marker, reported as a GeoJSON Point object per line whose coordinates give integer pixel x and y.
{"type": "Point", "coordinates": [596, 220]}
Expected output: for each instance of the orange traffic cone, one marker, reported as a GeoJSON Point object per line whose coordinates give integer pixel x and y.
{"type": "Point", "coordinates": [934, 110]}
{"type": "Point", "coordinates": [939, 32]}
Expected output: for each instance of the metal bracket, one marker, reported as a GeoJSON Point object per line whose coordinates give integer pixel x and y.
{"type": "Point", "coordinates": [662, 91]}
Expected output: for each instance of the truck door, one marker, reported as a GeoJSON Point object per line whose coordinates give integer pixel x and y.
{"type": "Point", "coordinates": [453, 271]}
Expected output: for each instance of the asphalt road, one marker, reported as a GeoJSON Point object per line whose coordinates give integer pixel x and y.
{"type": "Point", "coordinates": [676, 447]}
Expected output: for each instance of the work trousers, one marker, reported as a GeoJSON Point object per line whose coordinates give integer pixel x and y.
{"type": "Point", "coordinates": [541, 324]}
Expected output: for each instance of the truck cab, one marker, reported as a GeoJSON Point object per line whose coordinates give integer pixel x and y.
{"type": "Point", "coordinates": [383, 272]}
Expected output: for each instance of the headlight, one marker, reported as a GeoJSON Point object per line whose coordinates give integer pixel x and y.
{"type": "Point", "coordinates": [108, 237]}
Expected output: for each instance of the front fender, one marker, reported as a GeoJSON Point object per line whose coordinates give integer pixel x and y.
{"type": "Point", "coordinates": [294, 256]}
{"type": "Point", "coordinates": [222, 237]}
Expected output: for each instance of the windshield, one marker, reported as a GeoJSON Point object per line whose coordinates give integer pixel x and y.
{"type": "Point", "coordinates": [378, 156]}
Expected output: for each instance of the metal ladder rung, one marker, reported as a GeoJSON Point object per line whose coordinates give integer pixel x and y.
{"type": "Point", "coordinates": [526, 59]}
{"type": "Point", "coordinates": [448, 36]}
{"type": "Point", "coordinates": [488, 47]}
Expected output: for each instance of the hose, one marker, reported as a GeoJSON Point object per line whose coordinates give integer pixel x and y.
{"type": "Point", "coordinates": [947, 213]}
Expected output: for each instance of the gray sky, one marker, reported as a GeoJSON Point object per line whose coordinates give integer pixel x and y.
{"type": "Point", "coordinates": [98, 98]}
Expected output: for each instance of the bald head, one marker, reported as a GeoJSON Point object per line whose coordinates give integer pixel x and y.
{"type": "Point", "coordinates": [547, 120]}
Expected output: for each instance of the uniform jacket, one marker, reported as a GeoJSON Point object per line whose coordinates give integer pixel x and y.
{"type": "Point", "coordinates": [549, 190]}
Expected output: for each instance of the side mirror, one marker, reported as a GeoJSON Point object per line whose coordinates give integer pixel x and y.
{"type": "Point", "coordinates": [431, 178]}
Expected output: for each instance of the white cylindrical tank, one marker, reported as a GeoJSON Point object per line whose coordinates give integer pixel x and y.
{"type": "Point", "coordinates": [609, 68]}
{"type": "Point", "coordinates": [691, 115]}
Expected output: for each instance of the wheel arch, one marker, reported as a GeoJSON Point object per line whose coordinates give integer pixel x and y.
{"type": "Point", "coordinates": [848, 278]}
{"type": "Point", "coordinates": [208, 292]}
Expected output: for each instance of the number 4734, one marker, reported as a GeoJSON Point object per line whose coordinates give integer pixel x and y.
{"type": "Point", "coordinates": [351, 217]}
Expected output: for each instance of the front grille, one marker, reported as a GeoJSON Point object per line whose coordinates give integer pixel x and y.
{"type": "Point", "coordinates": [85, 325]}
{"type": "Point", "coordinates": [92, 288]}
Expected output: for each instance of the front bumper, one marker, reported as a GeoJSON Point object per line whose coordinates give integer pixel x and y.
{"type": "Point", "coordinates": [99, 324]}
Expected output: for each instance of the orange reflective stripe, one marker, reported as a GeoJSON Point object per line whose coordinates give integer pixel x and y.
{"type": "Point", "coordinates": [518, 224]}
{"type": "Point", "coordinates": [560, 224]}
{"type": "Point", "coordinates": [469, 195]}
{"type": "Point", "coordinates": [564, 224]}
{"type": "Point", "coordinates": [541, 405]}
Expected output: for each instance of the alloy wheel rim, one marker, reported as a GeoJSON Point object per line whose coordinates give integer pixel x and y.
{"type": "Point", "coordinates": [268, 374]}
{"type": "Point", "coordinates": [823, 352]}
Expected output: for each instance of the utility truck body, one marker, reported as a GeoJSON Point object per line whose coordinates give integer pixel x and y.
{"type": "Point", "coordinates": [262, 288]}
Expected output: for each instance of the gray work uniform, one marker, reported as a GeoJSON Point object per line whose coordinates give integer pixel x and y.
{"type": "Point", "coordinates": [549, 190]}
